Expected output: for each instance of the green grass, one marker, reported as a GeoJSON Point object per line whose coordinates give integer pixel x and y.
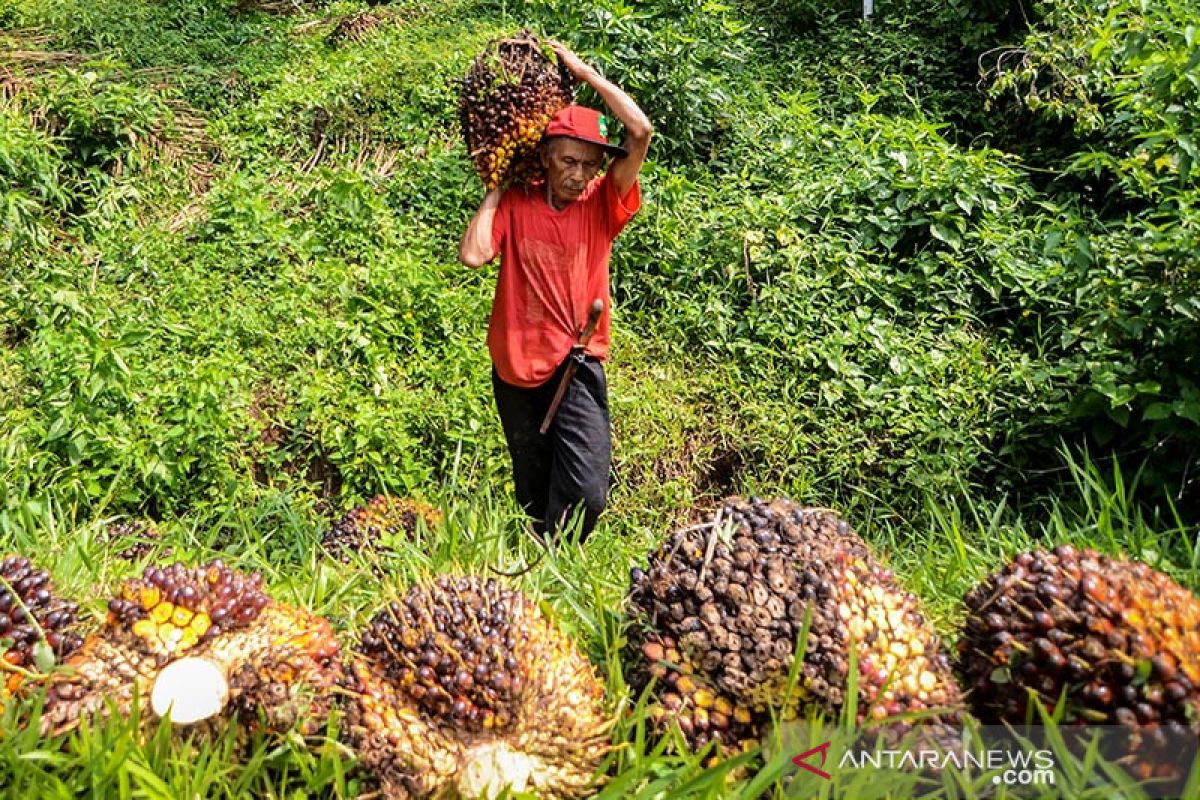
{"type": "Point", "coordinates": [585, 586]}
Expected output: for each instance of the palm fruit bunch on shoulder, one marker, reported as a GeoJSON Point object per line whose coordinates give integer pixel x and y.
{"type": "Point", "coordinates": [31, 616]}
{"type": "Point", "coordinates": [507, 97]}
{"type": "Point", "coordinates": [465, 688]}
{"type": "Point", "coordinates": [200, 643]}
{"type": "Point", "coordinates": [365, 527]}
{"type": "Point", "coordinates": [1117, 639]}
{"type": "Point", "coordinates": [734, 595]}
{"type": "Point", "coordinates": [137, 537]}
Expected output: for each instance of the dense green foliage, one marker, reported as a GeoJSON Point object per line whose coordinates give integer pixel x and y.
{"type": "Point", "coordinates": [910, 312]}
{"type": "Point", "coordinates": [1110, 93]}
{"type": "Point", "coordinates": [917, 313]}
{"type": "Point", "coordinates": [895, 267]}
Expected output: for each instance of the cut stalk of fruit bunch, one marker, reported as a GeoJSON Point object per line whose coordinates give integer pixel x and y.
{"type": "Point", "coordinates": [190, 690]}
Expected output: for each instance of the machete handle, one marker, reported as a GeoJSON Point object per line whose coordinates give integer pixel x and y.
{"type": "Point", "coordinates": [569, 372]}
{"type": "Point", "coordinates": [592, 321]}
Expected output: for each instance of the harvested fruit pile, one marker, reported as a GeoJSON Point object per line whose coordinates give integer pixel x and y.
{"type": "Point", "coordinates": [465, 687]}
{"type": "Point", "coordinates": [357, 26]}
{"type": "Point", "coordinates": [30, 614]}
{"type": "Point", "coordinates": [730, 599]}
{"type": "Point", "coordinates": [511, 91]}
{"type": "Point", "coordinates": [366, 527]}
{"type": "Point", "coordinates": [137, 536]}
{"type": "Point", "coordinates": [1118, 640]}
{"type": "Point", "coordinates": [200, 642]}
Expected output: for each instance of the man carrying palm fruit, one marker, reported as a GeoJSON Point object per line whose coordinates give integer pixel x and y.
{"type": "Point", "coordinates": [554, 241]}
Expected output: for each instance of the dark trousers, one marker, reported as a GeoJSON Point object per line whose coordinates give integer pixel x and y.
{"type": "Point", "coordinates": [568, 466]}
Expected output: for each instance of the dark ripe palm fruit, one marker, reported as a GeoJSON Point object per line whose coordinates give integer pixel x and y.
{"type": "Point", "coordinates": [1119, 638]}
{"type": "Point", "coordinates": [384, 516]}
{"type": "Point", "coordinates": [200, 643]}
{"type": "Point", "coordinates": [30, 613]}
{"type": "Point", "coordinates": [173, 608]}
{"type": "Point", "coordinates": [356, 27]}
{"type": "Point", "coordinates": [507, 97]}
{"type": "Point", "coordinates": [686, 699]}
{"type": "Point", "coordinates": [734, 592]}
{"type": "Point", "coordinates": [465, 686]}
{"type": "Point", "coordinates": [284, 668]}
{"type": "Point", "coordinates": [136, 537]}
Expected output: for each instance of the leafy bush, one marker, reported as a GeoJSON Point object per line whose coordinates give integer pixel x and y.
{"type": "Point", "coordinates": [1120, 72]}
{"type": "Point", "coordinates": [65, 140]}
{"type": "Point", "coordinates": [1120, 75]}
{"type": "Point", "coordinates": [31, 182]}
{"type": "Point", "coordinates": [881, 292]}
{"type": "Point", "coordinates": [909, 58]}
{"type": "Point", "coordinates": [100, 121]}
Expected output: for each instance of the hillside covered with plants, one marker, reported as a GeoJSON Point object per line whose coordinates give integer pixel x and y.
{"type": "Point", "coordinates": [935, 271]}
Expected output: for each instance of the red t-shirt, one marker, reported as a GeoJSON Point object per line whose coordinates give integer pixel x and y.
{"type": "Point", "coordinates": [553, 264]}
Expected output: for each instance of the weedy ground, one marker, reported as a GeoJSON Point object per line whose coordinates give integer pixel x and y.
{"type": "Point", "coordinates": [231, 305]}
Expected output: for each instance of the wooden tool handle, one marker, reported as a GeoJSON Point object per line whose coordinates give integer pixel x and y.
{"type": "Point", "coordinates": [572, 365]}
{"type": "Point", "coordinates": [592, 321]}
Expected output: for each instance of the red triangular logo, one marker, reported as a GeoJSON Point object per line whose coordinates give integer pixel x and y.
{"type": "Point", "coordinates": [802, 760]}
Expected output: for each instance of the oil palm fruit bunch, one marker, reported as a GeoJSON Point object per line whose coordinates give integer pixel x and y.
{"type": "Point", "coordinates": [137, 537]}
{"type": "Point", "coordinates": [356, 27]}
{"type": "Point", "coordinates": [34, 623]}
{"type": "Point", "coordinates": [200, 643]}
{"type": "Point", "coordinates": [733, 594]}
{"type": "Point", "coordinates": [365, 526]}
{"type": "Point", "coordinates": [1118, 639]}
{"type": "Point", "coordinates": [505, 101]}
{"type": "Point", "coordinates": [464, 687]}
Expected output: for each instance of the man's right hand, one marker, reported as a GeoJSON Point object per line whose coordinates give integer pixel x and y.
{"type": "Point", "coordinates": [475, 249]}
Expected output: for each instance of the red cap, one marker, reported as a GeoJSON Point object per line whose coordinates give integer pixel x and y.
{"type": "Point", "coordinates": [586, 125]}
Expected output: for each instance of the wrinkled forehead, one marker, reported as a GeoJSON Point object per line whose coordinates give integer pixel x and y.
{"type": "Point", "coordinates": [565, 147]}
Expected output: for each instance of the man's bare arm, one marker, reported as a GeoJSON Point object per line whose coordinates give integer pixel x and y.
{"type": "Point", "coordinates": [475, 249]}
{"type": "Point", "coordinates": [624, 171]}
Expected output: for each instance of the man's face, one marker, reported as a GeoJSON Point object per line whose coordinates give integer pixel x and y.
{"type": "Point", "coordinates": [570, 165]}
